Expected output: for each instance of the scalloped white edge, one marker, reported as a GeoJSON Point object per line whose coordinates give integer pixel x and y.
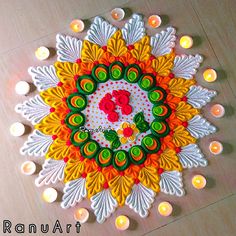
{"type": "Point", "coordinates": [133, 30]}
{"type": "Point", "coordinates": [44, 77]}
{"type": "Point", "coordinates": [199, 96]}
{"type": "Point", "coordinates": [34, 109]}
{"type": "Point", "coordinates": [52, 172]}
{"type": "Point", "coordinates": [103, 204]}
{"type": "Point", "coordinates": [68, 48]}
{"type": "Point", "coordinates": [191, 156]}
{"type": "Point", "coordinates": [199, 127]}
{"type": "Point", "coordinates": [185, 66]}
{"type": "Point", "coordinates": [100, 31]}
{"type": "Point", "coordinates": [140, 199]}
{"type": "Point", "coordinates": [74, 192]}
{"type": "Point", "coordinates": [163, 42]}
{"type": "Point", "coordinates": [37, 144]}
{"type": "Point", "coordinates": [171, 183]}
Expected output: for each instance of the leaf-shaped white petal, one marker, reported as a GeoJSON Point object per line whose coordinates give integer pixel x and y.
{"type": "Point", "coordinates": [140, 199]}
{"type": "Point", "coordinates": [171, 183]}
{"type": "Point", "coordinates": [74, 192]}
{"type": "Point", "coordinates": [100, 31]}
{"type": "Point", "coordinates": [103, 204]}
{"type": "Point", "coordinates": [133, 30]}
{"type": "Point", "coordinates": [185, 66]}
{"type": "Point", "coordinates": [34, 110]}
{"type": "Point", "coordinates": [37, 144]}
{"type": "Point", "coordinates": [68, 48]}
{"type": "Point", "coordinates": [163, 42]}
{"type": "Point", "coordinates": [52, 172]}
{"type": "Point", "coordinates": [44, 77]}
{"type": "Point", "coordinates": [191, 156]}
{"type": "Point", "coordinates": [199, 127]}
{"type": "Point", "coordinates": [199, 96]}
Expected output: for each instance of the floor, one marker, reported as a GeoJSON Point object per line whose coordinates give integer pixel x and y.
{"type": "Point", "coordinates": [27, 24]}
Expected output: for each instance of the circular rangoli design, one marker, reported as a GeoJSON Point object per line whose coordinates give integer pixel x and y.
{"type": "Point", "coordinates": [117, 117]}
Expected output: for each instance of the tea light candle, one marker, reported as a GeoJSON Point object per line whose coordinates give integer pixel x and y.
{"type": "Point", "coordinates": [49, 195]}
{"type": "Point", "coordinates": [22, 88]}
{"type": "Point", "coordinates": [28, 168]}
{"type": "Point", "coordinates": [154, 21]}
{"type": "Point", "coordinates": [77, 25]}
{"type": "Point", "coordinates": [17, 129]}
{"type": "Point", "coordinates": [210, 75]}
{"type": "Point", "coordinates": [42, 53]}
{"type": "Point", "coordinates": [186, 42]}
{"type": "Point", "coordinates": [117, 14]}
{"type": "Point", "coordinates": [81, 215]}
{"type": "Point", "coordinates": [217, 110]}
{"type": "Point", "coordinates": [216, 147]}
{"type": "Point", "coordinates": [199, 181]}
{"type": "Point", "coordinates": [165, 208]}
{"type": "Point", "coordinates": [122, 222]}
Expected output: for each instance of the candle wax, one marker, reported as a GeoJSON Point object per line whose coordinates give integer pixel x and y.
{"type": "Point", "coordinates": [81, 215]}
{"type": "Point", "coordinates": [154, 21]}
{"type": "Point", "coordinates": [199, 181]}
{"type": "Point", "coordinates": [122, 222]}
{"type": "Point", "coordinates": [217, 110]}
{"type": "Point", "coordinates": [28, 168]}
{"type": "Point", "coordinates": [165, 208]}
{"type": "Point", "coordinates": [22, 88]}
{"type": "Point", "coordinates": [49, 195]}
{"type": "Point", "coordinates": [186, 42]}
{"type": "Point", "coordinates": [216, 147]}
{"type": "Point", "coordinates": [17, 129]}
{"type": "Point", "coordinates": [210, 75]}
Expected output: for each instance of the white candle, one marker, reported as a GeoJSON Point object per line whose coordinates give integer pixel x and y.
{"type": "Point", "coordinates": [17, 129]}
{"type": "Point", "coordinates": [81, 215]}
{"type": "Point", "coordinates": [199, 181]}
{"type": "Point", "coordinates": [216, 147]}
{"type": "Point", "coordinates": [28, 168]}
{"type": "Point", "coordinates": [117, 14]}
{"type": "Point", "coordinates": [22, 88]}
{"type": "Point", "coordinates": [122, 222]}
{"type": "Point", "coordinates": [217, 110]}
{"type": "Point", "coordinates": [49, 195]}
{"type": "Point", "coordinates": [154, 21]}
{"type": "Point", "coordinates": [165, 208]}
{"type": "Point", "coordinates": [186, 42]}
{"type": "Point", "coordinates": [77, 25]}
{"type": "Point", "coordinates": [42, 53]}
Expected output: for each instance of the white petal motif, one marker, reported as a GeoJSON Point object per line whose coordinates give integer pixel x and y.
{"type": "Point", "coordinates": [68, 48]}
{"type": "Point", "coordinates": [171, 183]}
{"type": "Point", "coordinates": [140, 199]}
{"type": "Point", "coordinates": [100, 31]}
{"type": "Point", "coordinates": [133, 30]}
{"type": "Point", "coordinates": [199, 96]}
{"type": "Point", "coordinates": [191, 156]}
{"type": "Point", "coordinates": [163, 42]}
{"type": "Point", "coordinates": [74, 192]}
{"type": "Point", "coordinates": [34, 110]}
{"type": "Point", "coordinates": [199, 127]}
{"type": "Point", "coordinates": [52, 172]}
{"type": "Point", "coordinates": [103, 204]}
{"type": "Point", "coordinates": [37, 144]}
{"type": "Point", "coordinates": [44, 77]}
{"type": "Point", "coordinates": [185, 66]}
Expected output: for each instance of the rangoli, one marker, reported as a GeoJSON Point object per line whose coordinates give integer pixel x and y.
{"type": "Point", "coordinates": [117, 117]}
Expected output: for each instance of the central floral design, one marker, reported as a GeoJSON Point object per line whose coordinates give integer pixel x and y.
{"type": "Point", "coordinates": [87, 84]}
{"type": "Point", "coordinates": [127, 132]}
